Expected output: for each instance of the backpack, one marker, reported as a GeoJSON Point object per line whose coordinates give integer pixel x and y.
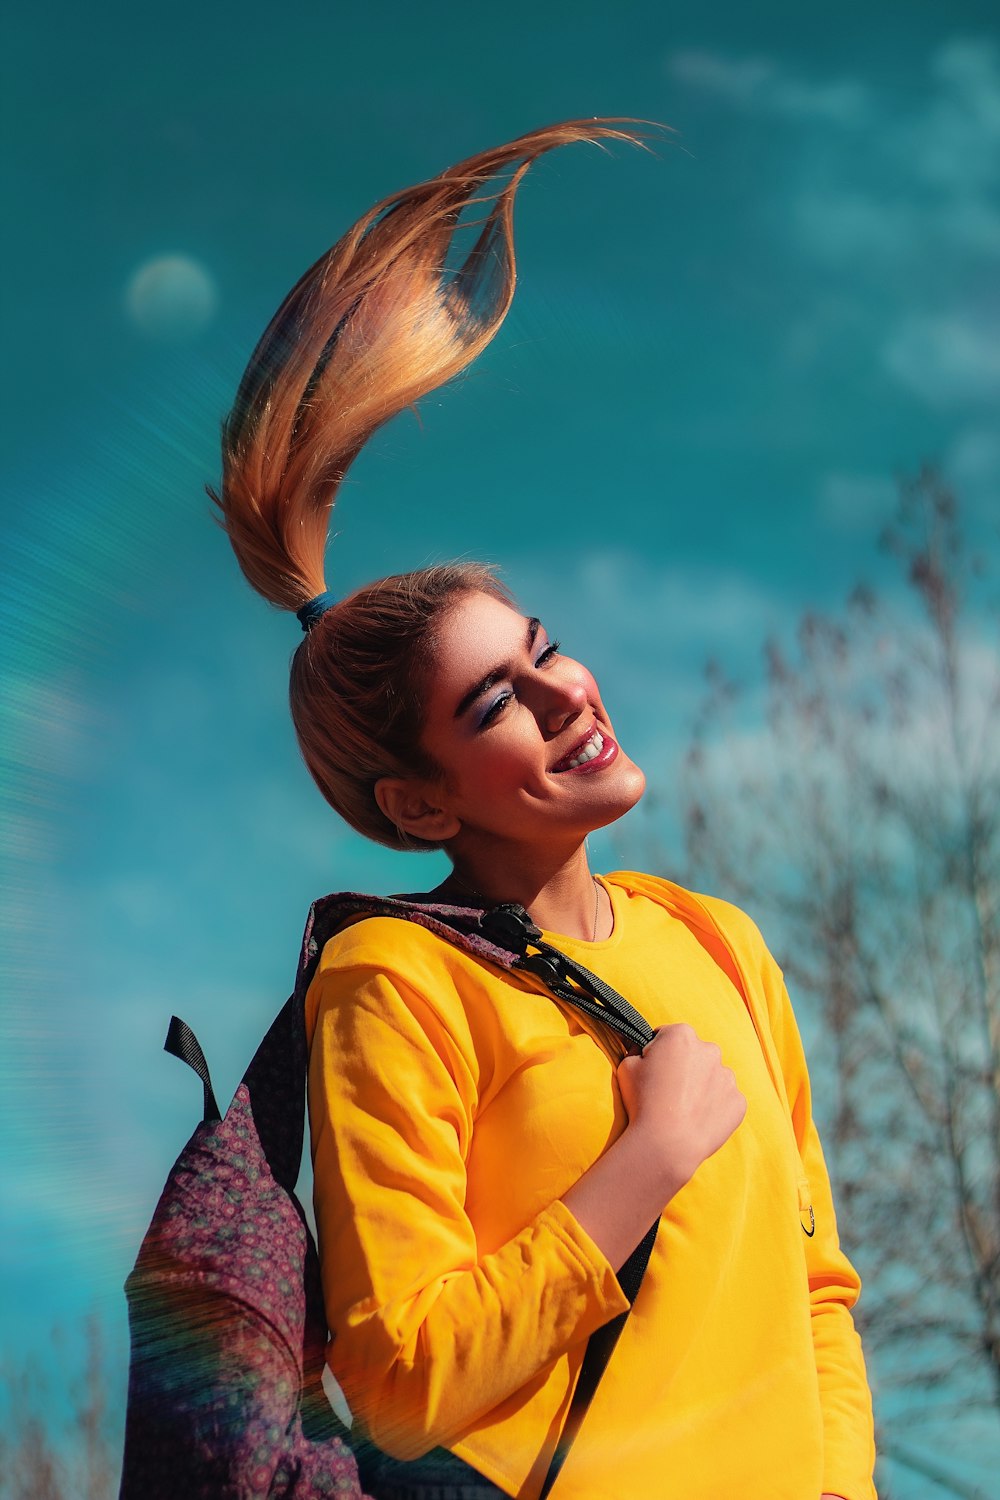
{"type": "Point", "coordinates": [225, 1397]}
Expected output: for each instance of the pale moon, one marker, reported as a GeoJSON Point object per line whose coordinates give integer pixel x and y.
{"type": "Point", "coordinates": [171, 297]}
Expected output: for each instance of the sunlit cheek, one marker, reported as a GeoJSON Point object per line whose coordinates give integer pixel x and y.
{"type": "Point", "coordinates": [500, 775]}
{"type": "Point", "coordinates": [509, 766]}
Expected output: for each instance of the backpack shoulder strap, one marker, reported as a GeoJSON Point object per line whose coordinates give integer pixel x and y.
{"type": "Point", "coordinates": [503, 935]}
{"type": "Point", "coordinates": [181, 1042]}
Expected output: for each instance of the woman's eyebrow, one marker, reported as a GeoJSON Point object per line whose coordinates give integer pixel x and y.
{"type": "Point", "coordinates": [497, 674]}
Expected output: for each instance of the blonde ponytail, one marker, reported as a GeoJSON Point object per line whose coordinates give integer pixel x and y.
{"type": "Point", "coordinates": [373, 326]}
{"type": "Point", "coordinates": [369, 329]}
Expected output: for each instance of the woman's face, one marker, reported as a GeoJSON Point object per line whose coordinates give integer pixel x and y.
{"type": "Point", "coordinates": [524, 742]}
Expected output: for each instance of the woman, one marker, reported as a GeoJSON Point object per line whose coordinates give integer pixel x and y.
{"type": "Point", "coordinates": [485, 1161]}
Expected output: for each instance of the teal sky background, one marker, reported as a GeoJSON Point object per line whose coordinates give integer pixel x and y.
{"type": "Point", "coordinates": [686, 432]}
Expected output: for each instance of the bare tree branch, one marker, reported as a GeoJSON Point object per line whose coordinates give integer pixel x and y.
{"type": "Point", "coordinates": [857, 814]}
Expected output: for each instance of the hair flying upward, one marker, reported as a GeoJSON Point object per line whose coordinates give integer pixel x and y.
{"type": "Point", "coordinates": [377, 323]}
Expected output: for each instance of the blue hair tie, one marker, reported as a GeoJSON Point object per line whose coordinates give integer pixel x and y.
{"type": "Point", "coordinates": [311, 611]}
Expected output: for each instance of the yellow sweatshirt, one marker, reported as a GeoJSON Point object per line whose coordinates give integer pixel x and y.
{"type": "Point", "coordinates": [452, 1104]}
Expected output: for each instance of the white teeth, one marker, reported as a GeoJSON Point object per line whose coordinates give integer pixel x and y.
{"type": "Point", "coordinates": [592, 748]}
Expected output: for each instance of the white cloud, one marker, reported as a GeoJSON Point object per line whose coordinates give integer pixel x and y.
{"type": "Point", "coordinates": [640, 608]}
{"type": "Point", "coordinates": [972, 465]}
{"type": "Point", "coordinates": [974, 459]}
{"type": "Point", "coordinates": [694, 603]}
{"type": "Point", "coordinates": [938, 164]}
{"type": "Point", "coordinates": [947, 360]}
{"type": "Point", "coordinates": [918, 757]}
{"type": "Point", "coordinates": [855, 501]}
{"type": "Point", "coordinates": [947, 153]}
{"type": "Point", "coordinates": [957, 139]}
{"type": "Point", "coordinates": [837, 225]}
{"type": "Point", "coordinates": [927, 180]}
{"type": "Point", "coordinates": [763, 86]}
{"type": "Point", "coordinates": [973, 224]}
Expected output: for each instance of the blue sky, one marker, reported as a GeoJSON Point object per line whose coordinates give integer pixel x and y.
{"type": "Point", "coordinates": [688, 429]}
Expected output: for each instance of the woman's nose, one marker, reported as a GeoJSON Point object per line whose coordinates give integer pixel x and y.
{"type": "Point", "coordinates": [566, 700]}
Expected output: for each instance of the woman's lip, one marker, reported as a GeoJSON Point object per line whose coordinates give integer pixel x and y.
{"type": "Point", "coordinates": [584, 739]}
{"type": "Point", "coordinates": [605, 756]}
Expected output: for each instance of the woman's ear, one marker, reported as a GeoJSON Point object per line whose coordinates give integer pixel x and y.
{"type": "Point", "coordinates": [411, 806]}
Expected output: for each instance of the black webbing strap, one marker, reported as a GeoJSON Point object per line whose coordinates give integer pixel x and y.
{"type": "Point", "coordinates": [600, 1347]}
{"type": "Point", "coordinates": [568, 980]}
{"type": "Point", "coordinates": [181, 1042]}
{"type": "Point", "coordinates": [510, 927]}
{"type": "Point", "coordinates": [591, 994]}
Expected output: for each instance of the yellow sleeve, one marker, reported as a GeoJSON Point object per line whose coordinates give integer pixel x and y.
{"type": "Point", "coordinates": [428, 1335]}
{"type": "Point", "coordinates": [834, 1284]}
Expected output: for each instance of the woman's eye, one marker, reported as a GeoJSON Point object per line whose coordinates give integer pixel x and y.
{"type": "Point", "coordinates": [494, 709]}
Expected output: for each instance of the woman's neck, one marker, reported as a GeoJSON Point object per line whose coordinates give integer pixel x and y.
{"type": "Point", "coordinates": [560, 894]}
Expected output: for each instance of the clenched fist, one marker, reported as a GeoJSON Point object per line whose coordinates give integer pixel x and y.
{"type": "Point", "coordinates": [681, 1099]}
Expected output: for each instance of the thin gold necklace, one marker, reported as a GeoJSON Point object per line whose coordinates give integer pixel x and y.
{"type": "Point", "coordinates": [481, 896]}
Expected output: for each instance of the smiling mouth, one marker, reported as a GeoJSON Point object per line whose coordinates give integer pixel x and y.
{"type": "Point", "coordinates": [586, 750]}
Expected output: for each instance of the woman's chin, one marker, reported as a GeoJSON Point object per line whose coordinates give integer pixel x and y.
{"type": "Point", "coordinates": [634, 779]}
{"type": "Point", "coordinates": [630, 784]}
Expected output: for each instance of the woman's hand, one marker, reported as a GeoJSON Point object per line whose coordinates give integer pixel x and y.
{"type": "Point", "coordinates": [681, 1100]}
{"type": "Point", "coordinates": [682, 1104]}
